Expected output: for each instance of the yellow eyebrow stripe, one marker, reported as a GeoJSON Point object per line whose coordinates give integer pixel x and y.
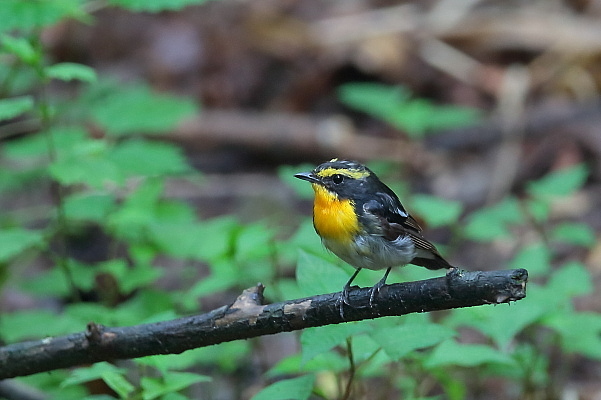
{"type": "Point", "coordinates": [355, 174]}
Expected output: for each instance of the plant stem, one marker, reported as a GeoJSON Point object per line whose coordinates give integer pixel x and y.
{"type": "Point", "coordinates": [351, 378]}
{"type": "Point", "coordinates": [537, 225]}
{"type": "Point", "coordinates": [57, 190]}
{"type": "Point", "coordinates": [9, 79]}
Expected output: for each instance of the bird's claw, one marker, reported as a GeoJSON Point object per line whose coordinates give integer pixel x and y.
{"type": "Point", "coordinates": [375, 292]}
{"type": "Point", "coordinates": [343, 299]}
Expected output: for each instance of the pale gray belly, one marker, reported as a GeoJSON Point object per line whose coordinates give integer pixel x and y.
{"type": "Point", "coordinates": [374, 252]}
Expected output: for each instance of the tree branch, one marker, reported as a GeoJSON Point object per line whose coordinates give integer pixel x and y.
{"type": "Point", "coordinates": [248, 318]}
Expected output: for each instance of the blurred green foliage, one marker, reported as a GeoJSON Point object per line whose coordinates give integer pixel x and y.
{"type": "Point", "coordinates": [116, 182]}
{"type": "Point", "coordinates": [395, 105]}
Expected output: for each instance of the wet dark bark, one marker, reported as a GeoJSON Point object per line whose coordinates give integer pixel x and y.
{"type": "Point", "coordinates": [247, 318]}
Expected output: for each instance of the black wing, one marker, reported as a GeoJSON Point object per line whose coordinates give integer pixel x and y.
{"type": "Point", "coordinates": [393, 222]}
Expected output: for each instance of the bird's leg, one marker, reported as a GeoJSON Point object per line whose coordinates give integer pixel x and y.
{"type": "Point", "coordinates": [376, 289]}
{"type": "Point", "coordinates": [344, 295]}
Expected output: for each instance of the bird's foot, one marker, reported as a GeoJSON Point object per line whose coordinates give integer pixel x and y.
{"type": "Point", "coordinates": [343, 299]}
{"type": "Point", "coordinates": [375, 292]}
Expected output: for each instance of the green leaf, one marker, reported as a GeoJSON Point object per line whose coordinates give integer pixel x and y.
{"type": "Point", "coordinates": [139, 157]}
{"type": "Point", "coordinates": [86, 312]}
{"type": "Point", "coordinates": [91, 373]}
{"type": "Point", "coordinates": [205, 241]}
{"type": "Point", "coordinates": [94, 170]}
{"type": "Point", "coordinates": [435, 211]}
{"type": "Point", "coordinates": [537, 209]}
{"type": "Point", "coordinates": [571, 280]}
{"type": "Point", "coordinates": [11, 108]}
{"type": "Point", "coordinates": [155, 5]}
{"type": "Point", "coordinates": [139, 276]}
{"type": "Point", "coordinates": [22, 325]}
{"type": "Point", "coordinates": [171, 382]}
{"type": "Point", "coordinates": [149, 305]}
{"type": "Point", "coordinates": [546, 298]}
{"type": "Point", "coordinates": [65, 140]}
{"type": "Point", "coordinates": [454, 389]}
{"type": "Point", "coordinates": [502, 323]}
{"type": "Point", "coordinates": [135, 109]}
{"type": "Point", "coordinates": [288, 389]}
{"type": "Point", "coordinates": [395, 106]}
{"type": "Point", "coordinates": [401, 340]}
{"type": "Point", "coordinates": [222, 278]}
{"type": "Point", "coordinates": [330, 361]}
{"type": "Point", "coordinates": [579, 332]}
{"type": "Point", "coordinates": [14, 241]}
{"type": "Point", "coordinates": [49, 384]}
{"type": "Point", "coordinates": [492, 222]}
{"type": "Point", "coordinates": [174, 396]}
{"type": "Point", "coordinates": [110, 374]}
{"type": "Point", "coordinates": [319, 340]}
{"type": "Point", "coordinates": [377, 100]}
{"type": "Point", "coordinates": [367, 352]}
{"type": "Point", "coordinates": [81, 160]}
{"type": "Point", "coordinates": [117, 382]}
{"type": "Point", "coordinates": [535, 257]}
{"type": "Point", "coordinates": [451, 353]}
{"type": "Point", "coordinates": [560, 183]}
{"type": "Point", "coordinates": [304, 238]}
{"type": "Point", "coordinates": [142, 253]}
{"type": "Point", "coordinates": [253, 242]}
{"type": "Point", "coordinates": [18, 79]}
{"type": "Point", "coordinates": [20, 47]}
{"type": "Point", "coordinates": [249, 273]}
{"type": "Point", "coordinates": [88, 206]}
{"type": "Point", "coordinates": [84, 275]}
{"type": "Point", "coordinates": [67, 71]}
{"type": "Point", "coordinates": [530, 365]}
{"type": "Point", "coordinates": [318, 276]}
{"type": "Point", "coordinates": [420, 115]}
{"type": "Point", "coordinates": [51, 283]}
{"type": "Point", "coordinates": [137, 213]}
{"type": "Point", "coordinates": [13, 179]}
{"type": "Point", "coordinates": [575, 233]}
{"type": "Point", "coordinates": [227, 356]}
{"type": "Point", "coordinates": [116, 267]}
{"type": "Point", "coordinates": [29, 14]}
{"type": "Point", "coordinates": [169, 362]}
{"type": "Point", "coordinates": [175, 211]}
{"type": "Point", "coordinates": [284, 289]}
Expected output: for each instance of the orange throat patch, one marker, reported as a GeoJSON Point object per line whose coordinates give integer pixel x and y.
{"type": "Point", "coordinates": [333, 218]}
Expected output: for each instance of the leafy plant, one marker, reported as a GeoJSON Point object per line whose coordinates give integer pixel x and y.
{"type": "Point", "coordinates": [395, 105]}
{"type": "Point", "coordinates": [95, 154]}
{"type": "Point", "coordinates": [110, 181]}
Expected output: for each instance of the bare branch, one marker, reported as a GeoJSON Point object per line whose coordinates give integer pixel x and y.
{"type": "Point", "coordinates": [248, 318]}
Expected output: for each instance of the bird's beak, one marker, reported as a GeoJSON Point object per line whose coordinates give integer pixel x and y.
{"type": "Point", "coordinates": [307, 176]}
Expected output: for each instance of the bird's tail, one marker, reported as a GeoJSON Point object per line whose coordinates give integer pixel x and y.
{"type": "Point", "coordinates": [431, 261]}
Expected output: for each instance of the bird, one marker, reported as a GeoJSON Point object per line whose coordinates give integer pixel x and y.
{"type": "Point", "coordinates": [362, 221]}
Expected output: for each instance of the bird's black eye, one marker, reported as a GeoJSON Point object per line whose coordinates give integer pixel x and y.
{"type": "Point", "coordinates": [337, 178]}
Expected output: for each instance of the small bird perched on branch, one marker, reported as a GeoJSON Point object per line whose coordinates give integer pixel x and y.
{"type": "Point", "coordinates": [362, 221]}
